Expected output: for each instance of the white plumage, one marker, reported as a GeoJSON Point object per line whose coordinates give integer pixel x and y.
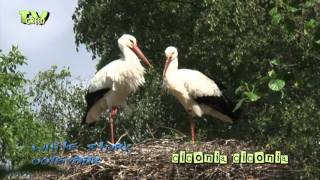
{"type": "Point", "coordinates": [196, 92]}
{"type": "Point", "coordinates": [112, 84]}
{"type": "Point", "coordinates": [197, 84]}
{"type": "Point", "coordinates": [121, 79]}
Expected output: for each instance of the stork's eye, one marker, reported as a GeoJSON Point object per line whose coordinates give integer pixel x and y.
{"type": "Point", "coordinates": [131, 40]}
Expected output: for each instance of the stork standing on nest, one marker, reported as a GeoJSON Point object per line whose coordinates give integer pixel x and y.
{"type": "Point", "coordinates": [112, 84]}
{"type": "Point", "coordinates": [197, 93]}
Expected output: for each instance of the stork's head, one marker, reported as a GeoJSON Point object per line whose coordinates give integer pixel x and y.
{"type": "Point", "coordinates": [171, 54]}
{"type": "Point", "coordinates": [129, 41]}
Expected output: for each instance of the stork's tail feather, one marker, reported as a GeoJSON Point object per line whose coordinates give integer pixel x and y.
{"type": "Point", "coordinates": [84, 119]}
{"type": "Point", "coordinates": [221, 104]}
{"type": "Point", "coordinates": [235, 115]}
{"type": "Point", "coordinates": [83, 122]}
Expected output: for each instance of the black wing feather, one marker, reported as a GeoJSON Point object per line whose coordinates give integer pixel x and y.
{"type": "Point", "coordinates": [91, 99]}
{"type": "Point", "coordinates": [219, 103]}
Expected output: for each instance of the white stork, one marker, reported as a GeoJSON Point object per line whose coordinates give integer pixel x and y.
{"type": "Point", "coordinates": [112, 84]}
{"type": "Point", "coordinates": [197, 93]}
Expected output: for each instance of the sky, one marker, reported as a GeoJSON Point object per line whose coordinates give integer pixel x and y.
{"type": "Point", "coordinates": [46, 45]}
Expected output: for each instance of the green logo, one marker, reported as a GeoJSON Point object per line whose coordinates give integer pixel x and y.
{"type": "Point", "coordinates": [32, 17]}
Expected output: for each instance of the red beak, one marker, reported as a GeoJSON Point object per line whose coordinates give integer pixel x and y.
{"type": "Point", "coordinates": [139, 53]}
{"type": "Point", "coordinates": [168, 61]}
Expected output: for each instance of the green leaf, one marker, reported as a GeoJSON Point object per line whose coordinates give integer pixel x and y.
{"type": "Point", "coordinates": [275, 62]}
{"type": "Point", "coordinates": [309, 4]}
{"type": "Point", "coordinates": [238, 105]}
{"type": "Point", "coordinates": [276, 84]}
{"type": "Point", "coordinates": [318, 42]}
{"type": "Point", "coordinates": [240, 88]}
{"type": "Point", "coordinates": [252, 96]}
{"type": "Point", "coordinates": [311, 24]}
{"type": "Point", "coordinates": [273, 11]}
{"type": "Point", "coordinates": [272, 74]}
{"type": "Point", "coordinates": [276, 19]}
{"type": "Point", "coordinates": [292, 9]}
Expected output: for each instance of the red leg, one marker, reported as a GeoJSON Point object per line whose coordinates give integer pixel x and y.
{"type": "Point", "coordinates": [112, 116]}
{"type": "Point", "coordinates": [193, 130]}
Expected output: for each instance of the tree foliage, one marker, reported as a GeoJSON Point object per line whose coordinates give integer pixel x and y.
{"type": "Point", "coordinates": [265, 52]}
{"type": "Point", "coordinates": [18, 128]}
{"type": "Point", "coordinates": [58, 101]}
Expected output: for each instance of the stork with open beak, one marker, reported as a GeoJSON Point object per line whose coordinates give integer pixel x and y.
{"type": "Point", "coordinates": [197, 93]}
{"type": "Point", "coordinates": [111, 85]}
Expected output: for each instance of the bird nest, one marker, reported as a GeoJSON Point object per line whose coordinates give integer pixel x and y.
{"type": "Point", "coordinates": [153, 160]}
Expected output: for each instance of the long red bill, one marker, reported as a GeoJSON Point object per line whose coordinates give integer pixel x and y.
{"type": "Point", "coordinates": [168, 60]}
{"type": "Point", "coordinates": [139, 53]}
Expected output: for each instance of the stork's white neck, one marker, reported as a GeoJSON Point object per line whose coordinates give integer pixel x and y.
{"type": "Point", "coordinates": [129, 55]}
{"type": "Point", "coordinates": [172, 67]}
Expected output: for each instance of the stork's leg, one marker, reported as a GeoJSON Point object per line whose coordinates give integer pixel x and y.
{"type": "Point", "coordinates": [192, 126]}
{"type": "Point", "coordinates": [112, 117]}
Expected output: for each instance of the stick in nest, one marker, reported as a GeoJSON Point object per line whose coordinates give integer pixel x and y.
{"type": "Point", "coordinates": [128, 134]}
{"type": "Point", "coordinates": [123, 135]}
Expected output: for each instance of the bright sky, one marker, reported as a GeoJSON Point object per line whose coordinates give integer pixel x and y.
{"type": "Point", "coordinates": [50, 44]}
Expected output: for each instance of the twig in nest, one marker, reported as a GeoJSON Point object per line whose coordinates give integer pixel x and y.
{"type": "Point", "coordinates": [229, 140]}
{"type": "Point", "coordinates": [123, 135]}
{"type": "Point", "coordinates": [148, 140]}
{"type": "Point", "coordinates": [50, 177]}
{"type": "Point", "coordinates": [99, 171]}
{"type": "Point", "coordinates": [80, 173]}
{"type": "Point", "coordinates": [128, 134]}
